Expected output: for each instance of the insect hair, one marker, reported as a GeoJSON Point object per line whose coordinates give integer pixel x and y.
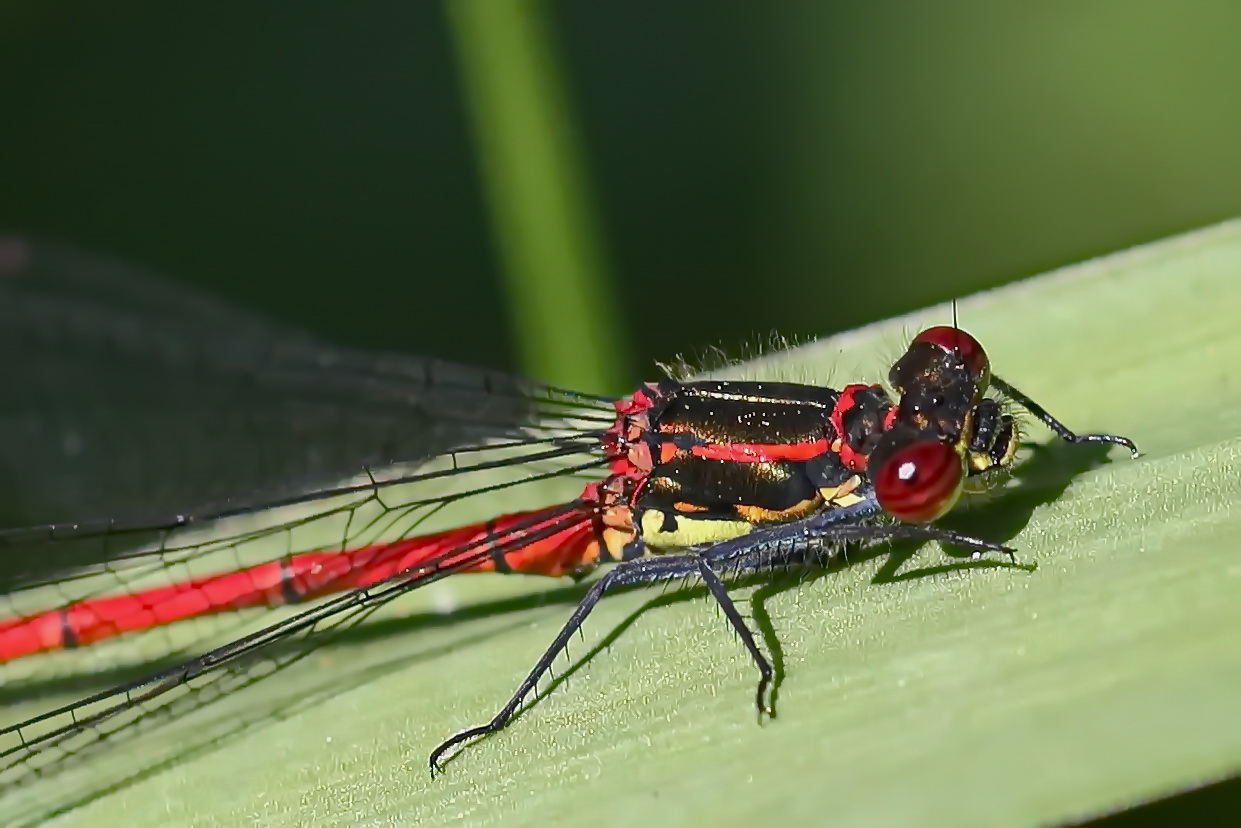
{"type": "Point", "coordinates": [718, 358]}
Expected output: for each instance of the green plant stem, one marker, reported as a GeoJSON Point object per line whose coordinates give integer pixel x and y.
{"type": "Point", "coordinates": [538, 194]}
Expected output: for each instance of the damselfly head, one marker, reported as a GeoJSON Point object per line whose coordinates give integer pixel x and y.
{"type": "Point", "coordinates": [942, 356]}
{"type": "Point", "coordinates": [963, 347]}
{"type": "Point", "coordinates": [943, 429]}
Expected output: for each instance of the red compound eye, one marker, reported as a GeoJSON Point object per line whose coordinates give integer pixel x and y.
{"type": "Point", "coordinates": [920, 482]}
{"type": "Point", "coordinates": [967, 348]}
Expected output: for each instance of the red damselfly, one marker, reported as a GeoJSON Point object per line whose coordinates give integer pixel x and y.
{"type": "Point", "coordinates": [145, 397]}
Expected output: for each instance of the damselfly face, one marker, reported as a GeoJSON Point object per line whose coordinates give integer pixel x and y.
{"type": "Point", "coordinates": [944, 428]}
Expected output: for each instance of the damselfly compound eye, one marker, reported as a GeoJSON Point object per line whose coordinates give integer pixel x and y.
{"type": "Point", "coordinates": [920, 482]}
{"type": "Point", "coordinates": [968, 349]}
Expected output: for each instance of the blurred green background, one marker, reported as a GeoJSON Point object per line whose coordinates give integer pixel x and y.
{"type": "Point", "coordinates": [800, 166]}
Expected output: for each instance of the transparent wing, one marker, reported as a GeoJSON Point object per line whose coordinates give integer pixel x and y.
{"type": "Point", "coordinates": [139, 680]}
{"type": "Point", "coordinates": [122, 395]}
{"type": "Point", "coordinates": [168, 438]}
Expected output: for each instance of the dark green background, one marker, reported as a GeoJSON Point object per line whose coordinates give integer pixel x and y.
{"type": "Point", "coordinates": [800, 167]}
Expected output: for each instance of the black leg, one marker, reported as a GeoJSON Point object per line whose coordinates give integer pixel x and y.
{"type": "Point", "coordinates": [774, 546]}
{"type": "Point", "coordinates": [630, 573]}
{"type": "Point", "coordinates": [847, 533]}
{"type": "Point", "coordinates": [764, 548]}
{"type": "Point", "coordinates": [1062, 431]}
{"type": "Point", "coordinates": [780, 544]}
{"type": "Point", "coordinates": [720, 593]}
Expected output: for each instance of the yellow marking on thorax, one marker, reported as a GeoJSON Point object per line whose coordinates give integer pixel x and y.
{"type": "Point", "coordinates": [844, 494]}
{"type": "Point", "coordinates": [687, 530]}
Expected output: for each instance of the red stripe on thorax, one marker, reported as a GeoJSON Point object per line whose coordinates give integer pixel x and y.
{"type": "Point", "coordinates": [762, 452]}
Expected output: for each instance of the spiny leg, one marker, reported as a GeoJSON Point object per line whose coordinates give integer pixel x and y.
{"type": "Point", "coordinates": [846, 533]}
{"type": "Point", "coordinates": [1061, 430]}
{"type": "Point", "coordinates": [786, 544]}
{"type": "Point", "coordinates": [631, 573]}
{"type": "Point", "coordinates": [781, 544]}
{"type": "Point", "coordinates": [763, 548]}
{"type": "Point", "coordinates": [765, 671]}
